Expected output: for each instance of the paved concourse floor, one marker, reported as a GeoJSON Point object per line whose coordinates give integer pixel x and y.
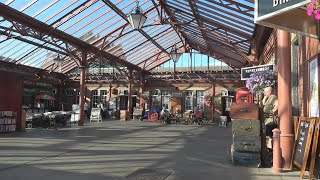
{"type": "Point", "coordinates": [125, 150]}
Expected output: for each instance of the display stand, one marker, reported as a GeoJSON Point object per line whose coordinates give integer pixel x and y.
{"type": "Point", "coordinates": [7, 121]}
{"type": "Point", "coordinates": [95, 115]}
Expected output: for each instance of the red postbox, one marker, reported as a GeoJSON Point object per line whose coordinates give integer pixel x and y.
{"type": "Point", "coordinates": [243, 95]}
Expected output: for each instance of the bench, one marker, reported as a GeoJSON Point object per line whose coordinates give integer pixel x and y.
{"type": "Point", "coordinates": [137, 114]}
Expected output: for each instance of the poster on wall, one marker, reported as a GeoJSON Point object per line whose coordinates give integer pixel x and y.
{"type": "Point", "coordinates": [313, 88]}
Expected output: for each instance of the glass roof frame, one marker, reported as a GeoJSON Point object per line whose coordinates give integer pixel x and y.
{"type": "Point", "coordinates": [113, 35]}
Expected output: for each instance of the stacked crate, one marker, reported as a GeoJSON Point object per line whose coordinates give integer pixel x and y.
{"type": "Point", "coordinates": [246, 144]}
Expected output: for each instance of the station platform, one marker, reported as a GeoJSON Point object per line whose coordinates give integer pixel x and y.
{"type": "Point", "coordinates": [125, 150]}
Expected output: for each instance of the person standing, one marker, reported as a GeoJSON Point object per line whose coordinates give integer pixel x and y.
{"type": "Point", "coordinates": [270, 108]}
{"type": "Point", "coordinates": [85, 108]}
{"type": "Point", "coordinates": [197, 116]}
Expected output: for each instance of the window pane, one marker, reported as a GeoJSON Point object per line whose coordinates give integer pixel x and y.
{"type": "Point", "coordinates": [103, 94]}
{"type": "Point", "coordinates": [95, 98]}
{"type": "Point", "coordinates": [165, 100]}
{"type": "Point", "coordinates": [188, 101]}
{"type": "Point", "coordinates": [200, 100]}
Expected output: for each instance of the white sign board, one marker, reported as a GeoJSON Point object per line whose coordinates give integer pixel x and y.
{"type": "Point", "coordinates": [313, 88]}
{"type": "Point", "coordinates": [96, 115]}
{"type": "Point", "coordinates": [247, 71]}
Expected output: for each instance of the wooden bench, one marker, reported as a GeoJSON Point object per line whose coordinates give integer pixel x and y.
{"type": "Point", "coordinates": [137, 113]}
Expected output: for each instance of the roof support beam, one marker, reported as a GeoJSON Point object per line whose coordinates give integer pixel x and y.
{"type": "Point", "coordinates": [13, 15]}
{"type": "Point", "coordinates": [120, 13]}
{"type": "Point", "coordinates": [193, 7]}
{"type": "Point", "coordinates": [174, 20]}
{"type": "Point", "coordinates": [240, 33]}
{"type": "Point", "coordinates": [220, 3]}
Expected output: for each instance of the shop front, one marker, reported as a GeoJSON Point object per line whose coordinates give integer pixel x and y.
{"type": "Point", "coordinates": [295, 46]}
{"type": "Point", "coordinates": [39, 97]}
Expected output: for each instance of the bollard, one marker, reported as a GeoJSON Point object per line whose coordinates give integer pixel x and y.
{"type": "Point", "coordinates": [277, 159]}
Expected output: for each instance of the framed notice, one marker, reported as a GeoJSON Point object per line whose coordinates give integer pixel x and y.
{"type": "Point", "coordinates": [313, 88]}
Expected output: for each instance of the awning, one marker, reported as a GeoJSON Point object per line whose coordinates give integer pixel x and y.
{"type": "Point", "coordinates": [45, 97]}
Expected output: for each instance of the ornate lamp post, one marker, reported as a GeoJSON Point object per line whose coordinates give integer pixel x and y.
{"type": "Point", "coordinates": [136, 18]}
{"type": "Point", "coordinates": [58, 62]}
{"type": "Point", "coordinates": [175, 55]}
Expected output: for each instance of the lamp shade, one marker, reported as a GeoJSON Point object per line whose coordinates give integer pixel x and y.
{"type": "Point", "coordinates": [57, 60]}
{"type": "Point", "coordinates": [136, 20]}
{"type": "Point", "coordinates": [175, 56]}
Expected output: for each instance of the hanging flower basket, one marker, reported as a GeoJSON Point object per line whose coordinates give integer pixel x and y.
{"type": "Point", "coordinates": [260, 80]}
{"type": "Point", "coordinates": [145, 96]}
{"type": "Point", "coordinates": [314, 9]}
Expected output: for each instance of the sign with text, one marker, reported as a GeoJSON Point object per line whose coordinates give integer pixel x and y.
{"type": "Point", "coordinates": [302, 144]}
{"type": "Point", "coordinates": [177, 94]}
{"type": "Point", "coordinates": [268, 8]}
{"type": "Point", "coordinates": [246, 72]}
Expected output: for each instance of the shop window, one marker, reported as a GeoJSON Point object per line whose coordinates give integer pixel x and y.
{"type": "Point", "coordinates": [154, 93]}
{"type": "Point", "coordinates": [200, 100]}
{"type": "Point", "coordinates": [189, 100]}
{"type": "Point", "coordinates": [69, 92]}
{"type": "Point", "coordinates": [78, 96]}
{"type": "Point", "coordinates": [123, 92]}
{"type": "Point", "coordinates": [27, 100]}
{"type": "Point", "coordinates": [155, 100]}
{"type": "Point", "coordinates": [165, 99]}
{"type": "Point", "coordinates": [103, 96]}
{"type": "Point", "coordinates": [113, 103]}
{"type": "Point", "coordinates": [123, 104]}
{"type": "Point", "coordinates": [95, 98]}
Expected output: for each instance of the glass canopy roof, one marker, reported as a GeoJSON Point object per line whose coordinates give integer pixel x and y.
{"type": "Point", "coordinates": [221, 29]}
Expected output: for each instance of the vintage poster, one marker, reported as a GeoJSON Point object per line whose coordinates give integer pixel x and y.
{"type": "Point", "coordinates": [313, 88]}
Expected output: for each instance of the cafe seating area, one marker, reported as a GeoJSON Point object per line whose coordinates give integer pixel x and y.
{"type": "Point", "coordinates": [55, 119]}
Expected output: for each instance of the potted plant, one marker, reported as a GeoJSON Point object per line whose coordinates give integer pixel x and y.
{"type": "Point", "coordinates": [145, 95]}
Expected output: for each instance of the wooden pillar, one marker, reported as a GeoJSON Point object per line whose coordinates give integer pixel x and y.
{"type": "Point", "coordinates": [141, 91]}
{"type": "Point", "coordinates": [128, 114]}
{"type": "Point", "coordinates": [303, 78]}
{"type": "Point", "coordinates": [110, 89]}
{"type": "Point", "coordinates": [83, 66]}
{"type": "Point", "coordinates": [213, 92]}
{"type": "Point", "coordinates": [284, 96]}
{"type": "Point", "coordinates": [60, 96]}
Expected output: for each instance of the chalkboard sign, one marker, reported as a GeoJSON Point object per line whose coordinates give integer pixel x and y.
{"type": "Point", "coordinates": [302, 143]}
{"type": "Point", "coordinates": [315, 154]}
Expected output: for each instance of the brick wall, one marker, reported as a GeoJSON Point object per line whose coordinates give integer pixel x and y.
{"type": "Point", "coordinates": [308, 49]}
{"type": "Point", "coordinates": [11, 90]}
